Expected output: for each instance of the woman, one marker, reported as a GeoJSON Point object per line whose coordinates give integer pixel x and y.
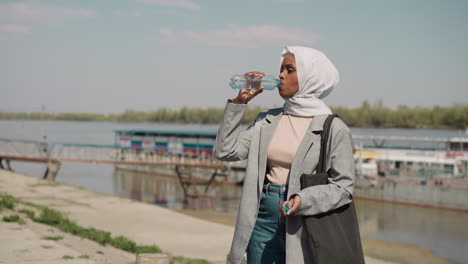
{"type": "Point", "coordinates": [280, 146]}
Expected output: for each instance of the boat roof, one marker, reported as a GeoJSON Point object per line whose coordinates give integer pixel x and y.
{"type": "Point", "coordinates": [212, 135]}
{"type": "Point", "coordinates": [168, 133]}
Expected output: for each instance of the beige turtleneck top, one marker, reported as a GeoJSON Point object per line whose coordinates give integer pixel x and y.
{"type": "Point", "coordinates": [283, 147]}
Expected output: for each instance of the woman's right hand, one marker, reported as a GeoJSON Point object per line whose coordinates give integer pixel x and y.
{"type": "Point", "coordinates": [245, 95]}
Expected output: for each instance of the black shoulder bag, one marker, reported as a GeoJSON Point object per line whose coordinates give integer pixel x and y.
{"type": "Point", "coordinates": [333, 236]}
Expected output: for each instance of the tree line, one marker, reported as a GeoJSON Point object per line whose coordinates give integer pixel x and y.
{"type": "Point", "coordinates": [368, 115]}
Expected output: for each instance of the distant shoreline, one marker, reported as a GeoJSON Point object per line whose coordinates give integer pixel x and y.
{"type": "Point", "coordinates": [366, 116]}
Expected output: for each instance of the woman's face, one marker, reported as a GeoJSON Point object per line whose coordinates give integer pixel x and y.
{"type": "Point", "coordinates": [288, 76]}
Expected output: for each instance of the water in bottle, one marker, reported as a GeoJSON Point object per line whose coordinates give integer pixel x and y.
{"type": "Point", "coordinates": [239, 82]}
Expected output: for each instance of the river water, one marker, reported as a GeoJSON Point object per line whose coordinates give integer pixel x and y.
{"type": "Point", "coordinates": [441, 231]}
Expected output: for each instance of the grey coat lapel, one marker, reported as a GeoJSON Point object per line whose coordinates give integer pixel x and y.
{"type": "Point", "coordinates": [310, 142]}
{"type": "Point", "coordinates": [267, 130]}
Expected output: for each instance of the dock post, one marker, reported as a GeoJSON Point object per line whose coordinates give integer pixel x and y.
{"type": "Point", "coordinates": [49, 169]}
{"type": "Point", "coordinates": [58, 164]}
{"type": "Point", "coordinates": [148, 258]}
{"type": "Point", "coordinates": [8, 165]}
{"type": "Point", "coordinates": [46, 173]}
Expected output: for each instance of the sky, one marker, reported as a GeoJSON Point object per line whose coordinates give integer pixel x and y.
{"type": "Point", "coordinates": [111, 55]}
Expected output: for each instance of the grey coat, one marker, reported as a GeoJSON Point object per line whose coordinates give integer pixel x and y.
{"type": "Point", "coordinates": [232, 144]}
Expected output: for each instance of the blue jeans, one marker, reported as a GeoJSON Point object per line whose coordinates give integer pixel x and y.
{"type": "Point", "coordinates": [267, 242]}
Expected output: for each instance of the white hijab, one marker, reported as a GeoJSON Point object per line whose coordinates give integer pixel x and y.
{"type": "Point", "coordinates": [317, 77]}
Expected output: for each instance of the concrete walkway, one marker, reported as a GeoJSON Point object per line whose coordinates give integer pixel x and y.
{"type": "Point", "coordinates": [146, 224]}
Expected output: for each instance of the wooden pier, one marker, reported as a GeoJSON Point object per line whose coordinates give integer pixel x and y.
{"type": "Point", "coordinates": [54, 155]}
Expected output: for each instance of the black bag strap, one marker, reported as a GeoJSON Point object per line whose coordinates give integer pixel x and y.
{"type": "Point", "coordinates": [322, 163]}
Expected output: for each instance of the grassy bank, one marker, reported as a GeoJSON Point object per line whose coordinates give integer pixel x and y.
{"type": "Point", "coordinates": [47, 216]}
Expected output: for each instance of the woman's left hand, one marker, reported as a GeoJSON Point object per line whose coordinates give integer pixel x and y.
{"type": "Point", "coordinates": [294, 204]}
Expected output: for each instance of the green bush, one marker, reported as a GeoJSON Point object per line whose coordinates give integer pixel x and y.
{"type": "Point", "coordinates": [196, 261]}
{"type": "Point", "coordinates": [102, 237]}
{"type": "Point", "coordinates": [148, 249]}
{"type": "Point", "coordinates": [30, 213]}
{"type": "Point", "coordinates": [49, 217]}
{"type": "Point", "coordinates": [124, 244]}
{"type": "Point", "coordinates": [71, 227]}
{"type": "Point", "coordinates": [12, 218]}
{"type": "Point", "coordinates": [54, 238]}
{"type": "Point", "coordinates": [7, 201]}
{"type": "Point", "coordinates": [182, 260]}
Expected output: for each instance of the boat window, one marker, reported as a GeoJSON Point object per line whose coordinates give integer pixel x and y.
{"type": "Point", "coordinates": [458, 146]}
{"type": "Point", "coordinates": [397, 164]}
{"type": "Point", "coordinates": [448, 168]}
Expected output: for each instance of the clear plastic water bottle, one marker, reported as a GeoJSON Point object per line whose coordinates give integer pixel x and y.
{"type": "Point", "coordinates": [239, 82]}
